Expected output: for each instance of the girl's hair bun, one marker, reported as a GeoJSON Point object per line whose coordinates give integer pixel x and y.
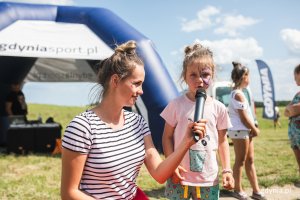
{"type": "Point", "coordinates": [236, 64]}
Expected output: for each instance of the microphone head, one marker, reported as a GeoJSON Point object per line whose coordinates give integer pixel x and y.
{"type": "Point", "coordinates": [201, 93]}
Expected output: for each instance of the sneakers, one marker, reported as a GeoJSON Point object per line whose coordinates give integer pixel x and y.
{"type": "Point", "coordinates": [240, 195]}
{"type": "Point", "coordinates": [244, 196]}
{"type": "Point", "coordinates": [258, 196]}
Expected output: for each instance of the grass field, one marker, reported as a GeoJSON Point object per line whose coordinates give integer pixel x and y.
{"type": "Point", "coordinates": [37, 176]}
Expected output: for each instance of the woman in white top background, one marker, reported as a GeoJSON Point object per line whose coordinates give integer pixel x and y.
{"type": "Point", "coordinates": [242, 132]}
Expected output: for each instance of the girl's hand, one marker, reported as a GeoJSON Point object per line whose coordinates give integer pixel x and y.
{"type": "Point", "coordinates": [228, 181]}
{"type": "Point", "coordinates": [198, 128]}
{"type": "Point", "coordinates": [287, 112]}
{"type": "Point", "coordinates": [254, 132]}
{"type": "Point", "coordinates": [176, 178]}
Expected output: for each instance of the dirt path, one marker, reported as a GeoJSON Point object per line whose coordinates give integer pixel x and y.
{"type": "Point", "coordinates": [288, 192]}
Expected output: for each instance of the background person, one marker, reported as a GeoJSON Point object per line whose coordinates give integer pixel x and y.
{"type": "Point", "coordinates": [15, 102]}
{"type": "Point", "coordinates": [292, 111]}
{"type": "Point", "coordinates": [197, 175]}
{"type": "Point", "coordinates": [242, 132]}
{"type": "Point", "coordinates": [15, 105]}
{"type": "Point", "coordinates": [105, 147]}
{"type": "Point", "coordinates": [276, 119]}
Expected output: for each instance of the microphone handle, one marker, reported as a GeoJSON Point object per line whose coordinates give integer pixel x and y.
{"type": "Point", "coordinates": [199, 110]}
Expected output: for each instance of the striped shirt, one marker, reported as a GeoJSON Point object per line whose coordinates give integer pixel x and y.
{"type": "Point", "coordinates": [114, 157]}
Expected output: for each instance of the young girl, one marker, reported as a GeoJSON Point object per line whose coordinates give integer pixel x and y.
{"type": "Point", "coordinates": [197, 175]}
{"type": "Point", "coordinates": [292, 111]}
{"type": "Point", "coordinates": [242, 132]}
{"type": "Point", "coordinates": [105, 147]}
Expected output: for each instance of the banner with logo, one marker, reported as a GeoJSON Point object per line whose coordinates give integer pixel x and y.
{"type": "Point", "coordinates": [267, 89]}
{"type": "Point", "coordinates": [48, 39]}
{"type": "Point", "coordinates": [61, 70]}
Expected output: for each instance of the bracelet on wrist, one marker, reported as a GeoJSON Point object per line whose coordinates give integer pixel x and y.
{"type": "Point", "coordinates": [225, 171]}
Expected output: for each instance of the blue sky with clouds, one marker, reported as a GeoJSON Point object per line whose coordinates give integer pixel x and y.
{"type": "Point", "coordinates": [240, 30]}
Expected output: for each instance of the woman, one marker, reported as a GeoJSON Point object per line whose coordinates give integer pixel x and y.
{"type": "Point", "coordinates": [242, 132]}
{"type": "Point", "coordinates": [105, 147]}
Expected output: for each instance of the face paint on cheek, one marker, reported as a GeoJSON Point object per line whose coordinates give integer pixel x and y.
{"type": "Point", "coordinates": [207, 80]}
{"type": "Point", "coordinates": [206, 75]}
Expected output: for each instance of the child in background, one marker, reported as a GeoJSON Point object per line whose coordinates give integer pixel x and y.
{"type": "Point", "coordinates": [276, 119]}
{"type": "Point", "coordinates": [197, 175]}
{"type": "Point", "coordinates": [242, 132]}
{"type": "Point", "coordinates": [292, 111]}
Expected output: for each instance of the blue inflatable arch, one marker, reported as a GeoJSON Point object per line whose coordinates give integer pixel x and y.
{"type": "Point", "coordinates": [158, 88]}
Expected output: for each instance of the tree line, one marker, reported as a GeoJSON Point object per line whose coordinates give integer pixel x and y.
{"type": "Point", "coordinates": [260, 104]}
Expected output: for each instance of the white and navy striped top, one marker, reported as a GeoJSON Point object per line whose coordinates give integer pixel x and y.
{"type": "Point", "coordinates": [114, 157]}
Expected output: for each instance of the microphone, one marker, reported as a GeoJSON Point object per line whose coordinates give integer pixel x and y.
{"type": "Point", "coordinates": [199, 109]}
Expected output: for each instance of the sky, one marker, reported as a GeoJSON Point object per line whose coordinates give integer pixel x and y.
{"type": "Point", "coordinates": [235, 30]}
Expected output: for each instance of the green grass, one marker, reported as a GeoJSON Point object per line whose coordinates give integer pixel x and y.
{"type": "Point", "coordinates": [37, 176]}
{"type": "Point", "coordinates": [29, 177]}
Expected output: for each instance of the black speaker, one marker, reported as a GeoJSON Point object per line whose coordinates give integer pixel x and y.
{"type": "Point", "coordinates": [45, 139]}
{"type": "Point", "coordinates": [24, 139]}
{"type": "Point", "coordinates": [20, 140]}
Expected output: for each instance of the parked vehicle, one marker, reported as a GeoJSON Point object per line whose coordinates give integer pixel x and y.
{"type": "Point", "coordinates": [220, 90]}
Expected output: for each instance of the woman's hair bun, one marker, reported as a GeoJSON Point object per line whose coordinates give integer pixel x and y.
{"type": "Point", "coordinates": [128, 48]}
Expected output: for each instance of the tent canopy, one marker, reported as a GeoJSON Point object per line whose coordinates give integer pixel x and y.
{"type": "Point", "coordinates": [17, 56]}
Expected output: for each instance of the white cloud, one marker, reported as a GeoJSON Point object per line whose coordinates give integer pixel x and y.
{"type": "Point", "coordinates": [211, 17]}
{"type": "Point", "coordinates": [291, 38]}
{"type": "Point", "coordinates": [202, 21]}
{"type": "Point", "coordinates": [231, 24]}
{"type": "Point", "coordinates": [227, 50]}
{"type": "Point", "coordinates": [52, 2]}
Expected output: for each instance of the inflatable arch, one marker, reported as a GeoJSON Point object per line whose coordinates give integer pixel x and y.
{"type": "Point", "coordinates": [158, 88]}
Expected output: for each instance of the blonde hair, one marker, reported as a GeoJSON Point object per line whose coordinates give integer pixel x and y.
{"type": "Point", "coordinates": [197, 54]}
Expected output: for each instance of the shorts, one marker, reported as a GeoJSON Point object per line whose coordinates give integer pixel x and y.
{"type": "Point", "coordinates": [294, 132]}
{"type": "Point", "coordinates": [294, 140]}
{"type": "Point", "coordinates": [181, 192]}
{"type": "Point", "coordinates": [140, 195]}
{"type": "Point", "coordinates": [241, 134]}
